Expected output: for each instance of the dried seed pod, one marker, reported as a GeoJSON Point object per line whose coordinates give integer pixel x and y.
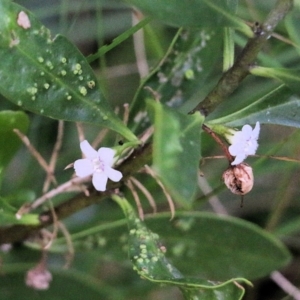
{"type": "Point", "coordinates": [239, 179]}
{"type": "Point", "coordinates": [39, 277]}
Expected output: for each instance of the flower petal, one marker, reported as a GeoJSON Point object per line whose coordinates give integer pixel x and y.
{"type": "Point", "coordinates": [255, 132]}
{"type": "Point", "coordinates": [100, 181]}
{"type": "Point", "coordinates": [107, 155]}
{"type": "Point", "coordinates": [238, 159]}
{"type": "Point", "coordinates": [83, 167]}
{"type": "Point", "coordinates": [251, 147]}
{"type": "Point", "coordinates": [235, 149]}
{"type": "Point", "coordinates": [88, 150]}
{"type": "Point", "coordinates": [246, 131]}
{"type": "Point", "coordinates": [112, 174]}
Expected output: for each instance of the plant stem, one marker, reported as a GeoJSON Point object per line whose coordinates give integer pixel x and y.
{"type": "Point", "coordinates": [140, 157]}
{"type": "Point", "coordinates": [233, 77]}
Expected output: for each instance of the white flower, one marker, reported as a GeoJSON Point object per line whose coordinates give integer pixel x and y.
{"type": "Point", "coordinates": [97, 163]}
{"type": "Point", "coordinates": [244, 143]}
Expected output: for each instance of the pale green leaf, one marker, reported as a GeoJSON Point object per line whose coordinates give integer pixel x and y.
{"type": "Point", "coordinates": [277, 106]}
{"type": "Point", "coordinates": [176, 150]}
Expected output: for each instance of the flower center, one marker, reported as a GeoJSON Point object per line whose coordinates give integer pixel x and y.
{"type": "Point", "coordinates": [98, 165]}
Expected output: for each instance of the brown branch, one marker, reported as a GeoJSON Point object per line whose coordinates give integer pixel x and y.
{"type": "Point", "coordinates": [17, 233]}
{"type": "Point", "coordinates": [233, 77]}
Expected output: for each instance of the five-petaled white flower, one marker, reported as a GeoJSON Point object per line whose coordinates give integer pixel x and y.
{"type": "Point", "coordinates": [244, 143]}
{"type": "Point", "coordinates": [97, 163]}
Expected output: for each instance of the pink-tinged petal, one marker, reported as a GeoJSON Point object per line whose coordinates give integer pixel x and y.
{"type": "Point", "coordinates": [83, 167]}
{"type": "Point", "coordinates": [247, 131]}
{"type": "Point", "coordinates": [256, 130]}
{"type": "Point", "coordinates": [235, 149]}
{"type": "Point", "coordinates": [238, 136]}
{"type": "Point", "coordinates": [100, 181]}
{"type": "Point", "coordinates": [88, 150]}
{"type": "Point", "coordinates": [251, 149]}
{"type": "Point", "coordinates": [107, 155]}
{"type": "Point", "coordinates": [238, 159]}
{"type": "Point", "coordinates": [113, 175]}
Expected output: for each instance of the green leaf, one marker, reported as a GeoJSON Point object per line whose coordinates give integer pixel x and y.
{"type": "Point", "coordinates": [288, 228]}
{"type": "Point", "coordinates": [290, 77]}
{"type": "Point", "coordinates": [118, 40]}
{"type": "Point", "coordinates": [200, 244]}
{"type": "Point", "coordinates": [183, 72]}
{"type": "Point", "coordinates": [9, 141]}
{"type": "Point", "coordinates": [193, 13]}
{"type": "Point", "coordinates": [218, 248]}
{"type": "Point", "coordinates": [228, 53]}
{"type": "Point", "coordinates": [277, 106]}
{"type": "Point", "coordinates": [292, 21]}
{"type": "Point", "coordinates": [49, 76]}
{"type": "Point", "coordinates": [148, 257]}
{"type": "Point", "coordinates": [176, 150]}
{"type": "Point", "coordinates": [8, 215]}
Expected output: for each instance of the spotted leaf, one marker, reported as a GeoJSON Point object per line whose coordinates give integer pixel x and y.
{"type": "Point", "coordinates": [147, 254]}
{"type": "Point", "coordinates": [49, 76]}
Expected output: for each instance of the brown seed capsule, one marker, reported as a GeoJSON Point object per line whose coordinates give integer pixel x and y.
{"type": "Point", "coordinates": [239, 179]}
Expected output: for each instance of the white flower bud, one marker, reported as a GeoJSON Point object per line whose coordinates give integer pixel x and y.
{"type": "Point", "coordinates": [239, 179]}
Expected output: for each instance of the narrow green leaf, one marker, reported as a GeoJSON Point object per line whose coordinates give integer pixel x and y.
{"type": "Point", "coordinates": [292, 24]}
{"type": "Point", "coordinates": [118, 40]}
{"type": "Point", "coordinates": [49, 76]}
{"type": "Point", "coordinates": [194, 13]}
{"type": "Point", "coordinates": [148, 257]}
{"type": "Point", "coordinates": [289, 77]}
{"type": "Point", "coordinates": [9, 141]}
{"type": "Point", "coordinates": [289, 228]}
{"type": "Point", "coordinates": [277, 106]}
{"type": "Point", "coordinates": [228, 53]}
{"type": "Point", "coordinates": [176, 150]}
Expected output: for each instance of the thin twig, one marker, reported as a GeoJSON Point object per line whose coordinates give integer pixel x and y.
{"type": "Point", "coordinates": [99, 138]}
{"type": "Point", "coordinates": [283, 158]}
{"type": "Point", "coordinates": [139, 47]}
{"type": "Point", "coordinates": [285, 285]}
{"type": "Point", "coordinates": [80, 131]}
{"type": "Point", "coordinates": [54, 155]}
{"type": "Point", "coordinates": [136, 199]}
{"type": "Point", "coordinates": [55, 226]}
{"type": "Point", "coordinates": [126, 113]}
{"type": "Point", "coordinates": [146, 134]}
{"type": "Point", "coordinates": [213, 200]}
{"type": "Point", "coordinates": [146, 193]}
{"type": "Point", "coordinates": [70, 246]}
{"type": "Point", "coordinates": [219, 141]}
{"type": "Point", "coordinates": [42, 162]}
{"type": "Point", "coordinates": [167, 195]}
{"type": "Point", "coordinates": [277, 36]}
{"type": "Point", "coordinates": [58, 143]}
{"type": "Point", "coordinates": [60, 189]}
